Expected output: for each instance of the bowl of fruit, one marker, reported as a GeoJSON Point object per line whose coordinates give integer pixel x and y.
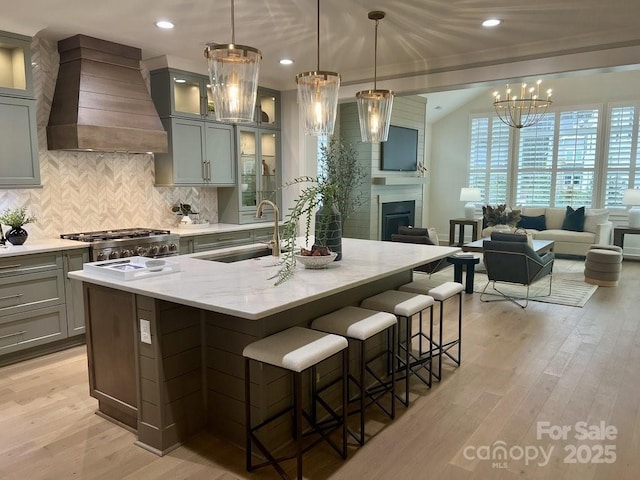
{"type": "Point", "coordinates": [317, 257]}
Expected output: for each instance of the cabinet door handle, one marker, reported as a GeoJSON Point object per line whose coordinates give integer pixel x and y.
{"type": "Point", "coordinates": [209, 170]}
{"type": "Point", "coordinates": [8, 297]}
{"type": "Point", "coordinates": [5, 267]}
{"type": "Point", "coordinates": [13, 334]}
{"type": "Point", "coordinates": [204, 169]}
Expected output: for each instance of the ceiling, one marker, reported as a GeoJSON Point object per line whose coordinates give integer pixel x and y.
{"type": "Point", "coordinates": [416, 35]}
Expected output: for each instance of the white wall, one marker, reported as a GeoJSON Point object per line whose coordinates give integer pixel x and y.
{"type": "Point", "coordinates": [450, 136]}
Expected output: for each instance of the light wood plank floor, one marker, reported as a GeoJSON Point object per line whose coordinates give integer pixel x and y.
{"type": "Point", "coordinates": [548, 363]}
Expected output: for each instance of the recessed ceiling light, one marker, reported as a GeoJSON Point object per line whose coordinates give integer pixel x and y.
{"type": "Point", "coordinates": [164, 24]}
{"type": "Point", "coordinates": [286, 61]}
{"type": "Point", "coordinates": [491, 22]}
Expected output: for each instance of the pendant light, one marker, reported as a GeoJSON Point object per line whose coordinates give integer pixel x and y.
{"type": "Point", "coordinates": [374, 106]}
{"type": "Point", "coordinates": [318, 96]}
{"type": "Point", "coordinates": [233, 71]}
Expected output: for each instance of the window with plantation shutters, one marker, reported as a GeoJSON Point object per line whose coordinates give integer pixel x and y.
{"type": "Point", "coordinates": [489, 158]}
{"type": "Point", "coordinates": [622, 153]}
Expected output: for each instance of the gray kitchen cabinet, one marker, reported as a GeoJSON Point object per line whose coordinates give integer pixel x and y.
{"type": "Point", "coordinates": [200, 154]}
{"type": "Point", "coordinates": [19, 161]}
{"type": "Point", "coordinates": [259, 177]}
{"type": "Point", "coordinates": [15, 65]}
{"type": "Point", "coordinates": [73, 260]}
{"type": "Point", "coordinates": [39, 306]}
{"type": "Point", "coordinates": [232, 238]}
{"type": "Point", "coordinates": [32, 301]}
{"type": "Point", "coordinates": [177, 93]}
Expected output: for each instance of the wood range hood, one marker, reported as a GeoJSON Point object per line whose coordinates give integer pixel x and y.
{"type": "Point", "coordinates": [101, 102]}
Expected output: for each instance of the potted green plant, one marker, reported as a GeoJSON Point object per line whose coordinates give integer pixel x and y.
{"type": "Point", "coordinates": [16, 218]}
{"type": "Point", "coordinates": [317, 193]}
{"type": "Point", "coordinates": [185, 210]}
{"type": "Point", "coordinates": [335, 196]}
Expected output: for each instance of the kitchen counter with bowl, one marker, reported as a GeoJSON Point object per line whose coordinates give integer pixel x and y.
{"type": "Point", "coordinates": [175, 341]}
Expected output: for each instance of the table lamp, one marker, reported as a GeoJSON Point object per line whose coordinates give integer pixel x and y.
{"type": "Point", "coordinates": [470, 195]}
{"type": "Point", "coordinates": [632, 197]}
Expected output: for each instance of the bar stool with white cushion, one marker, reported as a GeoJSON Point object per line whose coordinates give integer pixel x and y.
{"type": "Point", "coordinates": [441, 294]}
{"type": "Point", "coordinates": [360, 324]}
{"type": "Point", "coordinates": [404, 306]}
{"type": "Point", "coordinates": [297, 350]}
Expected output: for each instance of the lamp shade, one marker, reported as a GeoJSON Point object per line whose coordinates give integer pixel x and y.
{"type": "Point", "coordinates": [374, 112]}
{"type": "Point", "coordinates": [233, 71]}
{"type": "Point", "coordinates": [632, 197]}
{"type": "Point", "coordinates": [318, 101]}
{"type": "Point", "coordinates": [470, 195]}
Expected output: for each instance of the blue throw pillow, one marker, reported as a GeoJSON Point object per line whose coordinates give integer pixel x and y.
{"type": "Point", "coordinates": [574, 220]}
{"type": "Point", "coordinates": [534, 223]}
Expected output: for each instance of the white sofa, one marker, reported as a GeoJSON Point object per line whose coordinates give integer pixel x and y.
{"type": "Point", "coordinates": [597, 229]}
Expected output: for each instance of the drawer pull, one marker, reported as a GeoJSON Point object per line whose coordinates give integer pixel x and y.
{"type": "Point", "coordinates": [17, 295]}
{"type": "Point", "coordinates": [5, 267]}
{"type": "Point", "coordinates": [13, 334]}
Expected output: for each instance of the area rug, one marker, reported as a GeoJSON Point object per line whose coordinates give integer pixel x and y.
{"type": "Point", "coordinates": [568, 286]}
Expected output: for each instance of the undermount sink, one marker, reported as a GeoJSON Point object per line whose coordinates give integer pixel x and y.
{"type": "Point", "coordinates": [231, 257]}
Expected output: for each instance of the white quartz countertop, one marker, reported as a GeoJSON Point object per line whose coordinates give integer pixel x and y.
{"type": "Point", "coordinates": [244, 289]}
{"type": "Point", "coordinates": [220, 228]}
{"type": "Point", "coordinates": [40, 246]}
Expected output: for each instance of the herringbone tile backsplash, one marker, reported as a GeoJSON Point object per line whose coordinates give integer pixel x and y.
{"type": "Point", "coordinates": [84, 191]}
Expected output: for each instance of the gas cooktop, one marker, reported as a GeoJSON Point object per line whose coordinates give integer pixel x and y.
{"type": "Point", "coordinates": [114, 234]}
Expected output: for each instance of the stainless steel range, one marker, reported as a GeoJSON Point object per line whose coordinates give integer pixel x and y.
{"type": "Point", "coordinates": [128, 242]}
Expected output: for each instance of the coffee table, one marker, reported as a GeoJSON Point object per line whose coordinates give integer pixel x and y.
{"type": "Point", "coordinates": [539, 246]}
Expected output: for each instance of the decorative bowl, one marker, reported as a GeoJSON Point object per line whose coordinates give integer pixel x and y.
{"type": "Point", "coordinates": [319, 261]}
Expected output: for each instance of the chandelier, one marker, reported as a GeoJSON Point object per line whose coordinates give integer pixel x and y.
{"type": "Point", "coordinates": [524, 110]}
{"type": "Point", "coordinates": [233, 71]}
{"type": "Point", "coordinates": [318, 95]}
{"type": "Point", "coordinates": [374, 106]}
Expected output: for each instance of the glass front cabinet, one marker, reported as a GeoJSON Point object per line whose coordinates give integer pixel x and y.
{"type": "Point", "coordinates": [258, 176]}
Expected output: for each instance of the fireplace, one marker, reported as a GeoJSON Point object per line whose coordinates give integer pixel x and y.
{"type": "Point", "coordinates": [395, 215]}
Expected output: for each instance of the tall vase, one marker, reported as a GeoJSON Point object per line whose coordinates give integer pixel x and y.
{"type": "Point", "coordinates": [329, 229]}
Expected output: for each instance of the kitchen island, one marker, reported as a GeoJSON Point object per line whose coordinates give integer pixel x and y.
{"type": "Point", "coordinates": [188, 374]}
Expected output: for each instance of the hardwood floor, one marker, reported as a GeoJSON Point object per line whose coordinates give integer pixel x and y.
{"type": "Point", "coordinates": [548, 363]}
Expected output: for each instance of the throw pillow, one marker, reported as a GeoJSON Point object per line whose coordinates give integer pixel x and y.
{"type": "Point", "coordinates": [534, 223]}
{"type": "Point", "coordinates": [593, 218]}
{"type": "Point", "coordinates": [574, 220]}
{"type": "Point", "coordinates": [433, 235]}
{"type": "Point", "coordinates": [422, 232]}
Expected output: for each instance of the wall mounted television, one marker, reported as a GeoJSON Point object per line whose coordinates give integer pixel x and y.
{"type": "Point", "coordinates": [400, 152]}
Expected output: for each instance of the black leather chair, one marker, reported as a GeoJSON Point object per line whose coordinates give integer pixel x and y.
{"type": "Point", "coordinates": [508, 258]}
{"type": "Point", "coordinates": [419, 236]}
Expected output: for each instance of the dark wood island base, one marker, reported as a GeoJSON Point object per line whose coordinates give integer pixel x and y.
{"type": "Point", "coordinates": [191, 375]}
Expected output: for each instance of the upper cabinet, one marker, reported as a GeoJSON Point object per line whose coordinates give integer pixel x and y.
{"type": "Point", "coordinates": [19, 160]}
{"type": "Point", "coordinates": [188, 95]}
{"type": "Point", "coordinates": [268, 108]}
{"type": "Point", "coordinates": [259, 167]}
{"type": "Point", "coordinates": [181, 94]}
{"type": "Point", "coordinates": [15, 65]}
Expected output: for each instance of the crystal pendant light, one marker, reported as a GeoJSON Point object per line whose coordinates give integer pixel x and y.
{"type": "Point", "coordinates": [374, 106]}
{"type": "Point", "coordinates": [318, 96]}
{"type": "Point", "coordinates": [233, 71]}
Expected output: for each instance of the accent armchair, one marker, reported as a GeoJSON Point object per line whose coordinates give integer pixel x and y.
{"type": "Point", "coordinates": [514, 261]}
{"type": "Point", "coordinates": [419, 236]}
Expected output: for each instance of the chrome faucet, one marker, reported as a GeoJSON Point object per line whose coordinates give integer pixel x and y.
{"type": "Point", "coordinates": [275, 241]}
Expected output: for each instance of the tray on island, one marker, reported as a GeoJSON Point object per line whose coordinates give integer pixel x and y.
{"type": "Point", "coordinates": [132, 268]}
